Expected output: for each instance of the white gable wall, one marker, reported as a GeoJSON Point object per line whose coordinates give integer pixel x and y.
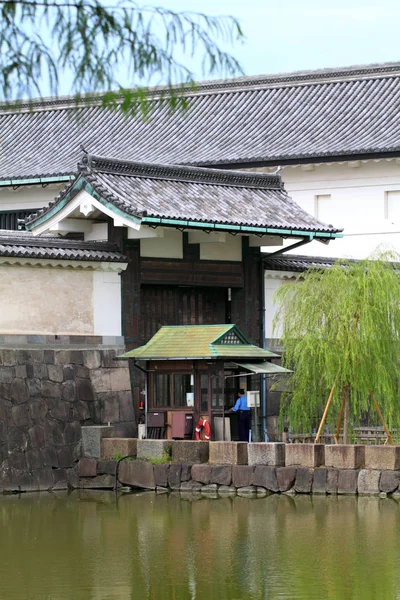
{"type": "Point", "coordinates": [355, 195]}
{"type": "Point", "coordinates": [54, 300]}
{"type": "Point", "coordinates": [28, 197]}
{"type": "Point", "coordinates": [362, 197]}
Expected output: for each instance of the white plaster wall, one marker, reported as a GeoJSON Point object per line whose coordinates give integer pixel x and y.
{"type": "Point", "coordinates": [107, 309]}
{"type": "Point", "coordinates": [358, 196]}
{"type": "Point", "coordinates": [59, 301]}
{"type": "Point", "coordinates": [231, 249]}
{"type": "Point", "coordinates": [168, 246]}
{"type": "Point", "coordinates": [273, 281]}
{"type": "Point", "coordinates": [28, 197]}
{"type": "Point", "coordinates": [40, 300]}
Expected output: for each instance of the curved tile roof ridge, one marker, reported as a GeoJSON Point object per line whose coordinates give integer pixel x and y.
{"type": "Point", "coordinates": [372, 70]}
{"type": "Point", "coordinates": [91, 163]}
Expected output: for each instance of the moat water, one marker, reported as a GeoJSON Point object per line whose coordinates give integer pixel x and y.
{"type": "Point", "coordinates": [90, 546]}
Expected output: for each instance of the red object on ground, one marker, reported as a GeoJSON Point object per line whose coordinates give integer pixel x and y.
{"type": "Point", "coordinates": [203, 424]}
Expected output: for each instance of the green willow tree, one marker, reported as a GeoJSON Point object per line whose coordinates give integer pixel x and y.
{"type": "Point", "coordinates": [341, 330]}
{"type": "Point", "coordinates": [95, 46]}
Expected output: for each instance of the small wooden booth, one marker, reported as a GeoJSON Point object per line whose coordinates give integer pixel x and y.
{"type": "Point", "coordinates": [195, 372]}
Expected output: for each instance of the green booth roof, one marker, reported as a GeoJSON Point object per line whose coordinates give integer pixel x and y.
{"type": "Point", "coordinates": [187, 342]}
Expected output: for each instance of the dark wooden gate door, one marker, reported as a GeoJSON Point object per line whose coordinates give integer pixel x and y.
{"type": "Point", "coordinates": [172, 305]}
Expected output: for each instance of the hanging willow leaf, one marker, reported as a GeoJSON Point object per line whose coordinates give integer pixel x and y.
{"type": "Point", "coordinates": [43, 42]}
{"type": "Point", "coordinates": [342, 322]}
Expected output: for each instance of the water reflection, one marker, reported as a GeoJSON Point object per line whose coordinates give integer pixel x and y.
{"type": "Point", "coordinates": [87, 546]}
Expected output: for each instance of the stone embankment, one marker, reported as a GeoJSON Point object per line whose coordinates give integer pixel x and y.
{"type": "Point", "coordinates": [257, 469]}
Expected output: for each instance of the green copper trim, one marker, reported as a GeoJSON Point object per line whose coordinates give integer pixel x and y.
{"type": "Point", "coordinates": [36, 180]}
{"type": "Point", "coordinates": [239, 228]}
{"type": "Point", "coordinates": [81, 185]}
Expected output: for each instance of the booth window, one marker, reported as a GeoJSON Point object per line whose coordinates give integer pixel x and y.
{"type": "Point", "coordinates": [172, 390]}
{"type": "Point", "coordinates": [217, 391]}
{"type": "Point", "coordinates": [204, 393]}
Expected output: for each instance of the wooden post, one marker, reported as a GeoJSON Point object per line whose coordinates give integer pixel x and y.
{"type": "Point", "coordinates": [339, 423]}
{"type": "Point", "coordinates": [389, 436]}
{"type": "Point", "coordinates": [346, 422]}
{"type": "Point", "coordinates": [346, 418]}
{"type": "Point", "coordinates": [321, 425]}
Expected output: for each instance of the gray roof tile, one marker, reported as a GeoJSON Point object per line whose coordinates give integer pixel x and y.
{"type": "Point", "coordinates": [192, 194]}
{"type": "Point", "coordinates": [251, 120]}
{"type": "Point", "coordinates": [22, 244]}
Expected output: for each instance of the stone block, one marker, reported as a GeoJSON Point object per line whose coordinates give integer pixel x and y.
{"type": "Point", "coordinates": [45, 479]}
{"type": "Point", "coordinates": [305, 455]}
{"type": "Point", "coordinates": [222, 475]}
{"type": "Point", "coordinates": [382, 457]}
{"type": "Point", "coordinates": [84, 390]}
{"type": "Point", "coordinates": [161, 475]}
{"type": "Point", "coordinates": [270, 454]}
{"type": "Point", "coordinates": [106, 467]}
{"type": "Point", "coordinates": [73, 433]}
{"type": "Point", "coordinates": [100, 380]}
{"type": "Point", "coordinates": [174, 476]}
{"type": "Point", "coordinates": [73, 477]}
{"type": "Point", "coordinates": [202, 473]}
{"type": "Point", "coordinates": [209, 489]}
{"type": "Point", "coordinates": [19, 391]}
{"type": "Point", "coordinates": [55, 373]}
{"type": "Point", "coordinates": [344, 456]}
{"type": "Point", "coordinates": [347, 482]}
{"type": "Point", "coordinates": [60, 411]}
{"type": "Point", "coordinates": [50, 389]}
{"type": "Point", "coordinates": [114, 448]}
{"type": "Point", "coordinates": [50, 457]}
{"type": "Point", "coordinates": [266, 477]}
{"type": "Point", "coordinates": [319, 481]}
{"type": "Point", "coordinates": [368, 482]}
{"type": "Point", "coordinates": [191, 486]}
{"type": "Point", "coordinates": [332, 481]}
{"type": "Point", "coordinates": [190, 451]}
{"type": "Point", "coordinates": [285, 478]}
{"type": "Point", "coordinates": [38, 409]}
{"type": "Point", "coordinates": [20, 415]}
{"type": "Point", "coordinates": [100, 482]}
{"type": "Point", "coordinates": [149, 449]}
{"type": "Point", "coordinates": [228, 453]}
{"type": "Point", "coordinates": [242, 475]}
{"type": "Point", "coordinates": [91, 359]}
{"type": "Point", "coordinates": [249, 491]}
{"type": "Point", "coordinates": [111, 409]}
{"type": "Point", "coordinates": [137, 474]}
{"type": "Point", "coordinates": [227, 490]}
{"type": "Point", "coordinates": [87, 467]}
{"type": "Point", "coordinates": [389, 481]}
{"type": "Point", "coordinates": [65, 458]}
{"type": "Point", "coordinates": [186, 472]}
{"type": "Point", "coordinates": [68, 391]}
{"type": "Point", "coordinates": [304, 480]}
{"type": "Point", "coordinates": [91, 439]}
{"type": "Point", "coordinates": [125, 401]}
{"type": "Point", "coordinates": [80, 411]}
{"type": "Point", "coordinates": [120, 379]}
{"type": "Point", "coordinates": [125, 430]}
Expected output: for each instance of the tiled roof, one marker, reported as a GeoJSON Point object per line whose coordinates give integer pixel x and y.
{"type": "Point", "coordinates": [192, 194]}
{"type": "Point", "coordinates": [196, 342]}
{"type": "Point", "coordinates": [24, 245]}
{"type": "Point", "coordinates": [304, 116]}
{"type": "Point", "coordinates": [297, 263]}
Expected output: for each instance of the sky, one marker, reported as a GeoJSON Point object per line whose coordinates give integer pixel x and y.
{"type": "Point", "coordinates": [292, 35]}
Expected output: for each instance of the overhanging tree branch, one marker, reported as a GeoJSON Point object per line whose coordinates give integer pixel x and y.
{"type": "Point", "coordinates": [97, 47]}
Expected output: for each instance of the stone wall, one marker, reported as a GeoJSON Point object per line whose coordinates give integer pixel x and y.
{"type": "Point", "coordinates": [46, 395]}
{"type": "Point", "coordinates": [221, 468]}
{"type": "Point", "coordinates": [243, 480]}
